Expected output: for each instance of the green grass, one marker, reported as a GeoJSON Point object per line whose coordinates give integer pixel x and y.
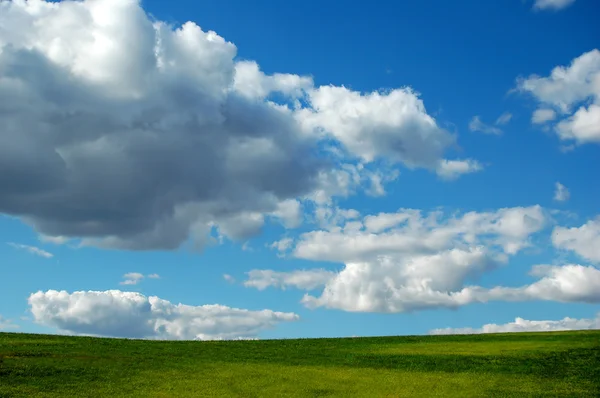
{"type": "Point", "coordinates": [498, 365]}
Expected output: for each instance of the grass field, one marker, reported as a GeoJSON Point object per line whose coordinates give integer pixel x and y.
{"type": "Point", "coordinates": [500, 365]}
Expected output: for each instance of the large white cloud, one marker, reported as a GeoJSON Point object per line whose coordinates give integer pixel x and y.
{"type": "Point", "coordinates": [583, 240]}
{"type": "Point", "coordinates": [404, 261]}
{"type": "Point", "coordinates": [574, 92]}
{"type": "Point", "coordinates": [133, 134]}
{"type": "Point", "coordinates": [524, 325]}
{"type": "Point", "coordinates": [115, 313]}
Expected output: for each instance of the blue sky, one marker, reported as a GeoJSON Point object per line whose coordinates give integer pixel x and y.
{"type": "Point", "coordinates": [396, 168]}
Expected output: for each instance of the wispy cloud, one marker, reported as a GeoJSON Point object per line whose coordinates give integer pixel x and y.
{"type": "Point", "coordinates": [31, 249]}
{"type": "Point", "coordinates": [561, 193]}
{"type": "Point", "coordinates": [133, 278]}
{"type": "Point", "coordinates": [504, 118]}
{"type": "Point", "coordinates": [476, 125]}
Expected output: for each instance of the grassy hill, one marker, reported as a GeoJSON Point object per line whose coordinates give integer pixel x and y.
{"type": "Point", "coordinates": [524, 364]}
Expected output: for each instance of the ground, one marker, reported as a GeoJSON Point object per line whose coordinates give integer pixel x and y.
{"type": "Point", "coordinates": [501, 365]}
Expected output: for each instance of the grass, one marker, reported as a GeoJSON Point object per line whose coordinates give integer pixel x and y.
{"type": "Point", "coordinates": [499, 365]}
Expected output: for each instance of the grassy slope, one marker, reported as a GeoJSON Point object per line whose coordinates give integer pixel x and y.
{"type": "Point", "coordinates": [524, 364]}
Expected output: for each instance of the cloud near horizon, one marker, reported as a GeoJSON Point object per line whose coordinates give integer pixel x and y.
{"type": "Point", "coordinates": [114, 313]}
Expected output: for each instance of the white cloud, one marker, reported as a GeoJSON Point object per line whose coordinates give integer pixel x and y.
{"type": "Point", "coordinates": [251, 82]}
{"type": "Point", "coordinates": [504, 118]}
{"type": "Point", "coordinates": [452, 169]}
{"type": "Point", "coordinates": [561, 193]}
{"type": "Point", "coordinates": [477, 125]}
{"type": "Point", "coordinates": [132, 278]}
{"type": "Point", "coordinates": [406, 261]}
{"type": "Point", "coordinates": [524, 325]}
{"type": "Point", "coordinates": [229, 278]}
{"type": "Point", "coordinates": [392, 125]}
{"type": "Point", "coordinates": [584, 240]}
{"type": "Point", "coordinates": [31, 249]}
{"type": "Point", "coordinates": [543, 115]}
{"type": "Point", "coordinates": [7, 324]}
{"type": "Point", "coordinates": [566, 283]}
{"type": "Point", "coordinates": [583, 126]}
{"type": "Point", "coordinates": [300, 279]}
{"type": "Point", "coordinates": [115, 313]}
{"type": "Point", "coordinates": [552, 4]}
{"type": "Point", "coordinates": [131, 109]}
{"type": "Point", "coordinates": [569, 87]}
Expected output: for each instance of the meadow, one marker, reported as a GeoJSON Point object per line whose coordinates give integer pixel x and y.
{"type": "Point", "coordinates": [553, 364]}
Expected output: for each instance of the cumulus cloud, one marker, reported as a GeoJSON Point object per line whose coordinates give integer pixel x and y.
{"type": "Point", "coordinates": [583, 240]}
{"type": "Point", "coordinates": [31, 249]}
{"type": "Point", "coordinates": [524, 325]}
{"type": "Point", "coordinates": [404, 261]}
{"type": "Point", "coordinates": [552, 4]}
{"type": "Point", "coordinates": [571, 92]}
{"type": "Point", "coordinates": [561, 193]}
{"type": "Point", "coordinates": [300, 279]}
{"type": "Point", "coordinates": [566, 283]}
{"type": "Point", "coordinates": [115, 313]}
{"type": "Point", "coordinates": [134, 134]}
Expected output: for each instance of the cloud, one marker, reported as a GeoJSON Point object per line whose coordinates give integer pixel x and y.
{"type": "Point", "coordinates": [584, 240]}
{"type": "Point", "coordinates": [565, 283]}
{"type": "Point", "coordinates": [541, 116]}
{"type": "Point", "coordinates": [571, 92]}
{"type": "Point", "coordinates": [524, 325]}
{"type": "Point", "coordinates": [504, 118]}
{"type": "Point", "coordinates": [229, 278]}
{"type": "Point", "coordinates": [366, 128]}
{"type": "Point", "coordinates": [31, 249]}
{"type": "Point", "coordinates": [561, 193]}
{"type": "Point", "coordinates": [300, 279]}
{"type": "Point", "coordinates": [452, 169]}
{"type": "Point", "coordinates": [477, 125]}
{"type": "Point", "coordinates": [406, 261]}
{"type": "Point", "coordinates": [552, 4]}
{"type": "Point", "coordinates": [7, 324]}
{"type": "Point", "coordinates": [115, 313]}
{"type": "Point", "coordinates": [133, 134]}
{"type": "Point", "coordinates": [132, 278]}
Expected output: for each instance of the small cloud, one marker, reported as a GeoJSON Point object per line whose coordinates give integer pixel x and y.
{"type": "Point", "coordinates": [452, 169]}
{"type": "Point", "coordinates": [31, 249]}
{"type": "Point", "coordinates": [229, 278]}
{"type": "Point", "coordinates": [561, 193]}
{"type": "Point", "coordinates": [542, 115]}
{"type": "Point", "coordinates": [154, 276]}
{"type": "Point", "coordinates": [57, 240]}
{"type": "Point", "coordinates": [504, 118]}
{"type": "Point", "coordinates": [132, 278]}
{"type": "Point", "coordinates": [6, 324]}
{"type": "Point", "coordinates": [552, 4]}
{"type": "Point", "coordinates": [476, 125]}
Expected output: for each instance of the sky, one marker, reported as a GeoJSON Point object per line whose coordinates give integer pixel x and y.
{"type": "Point", "coordinates": [240, 170]}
